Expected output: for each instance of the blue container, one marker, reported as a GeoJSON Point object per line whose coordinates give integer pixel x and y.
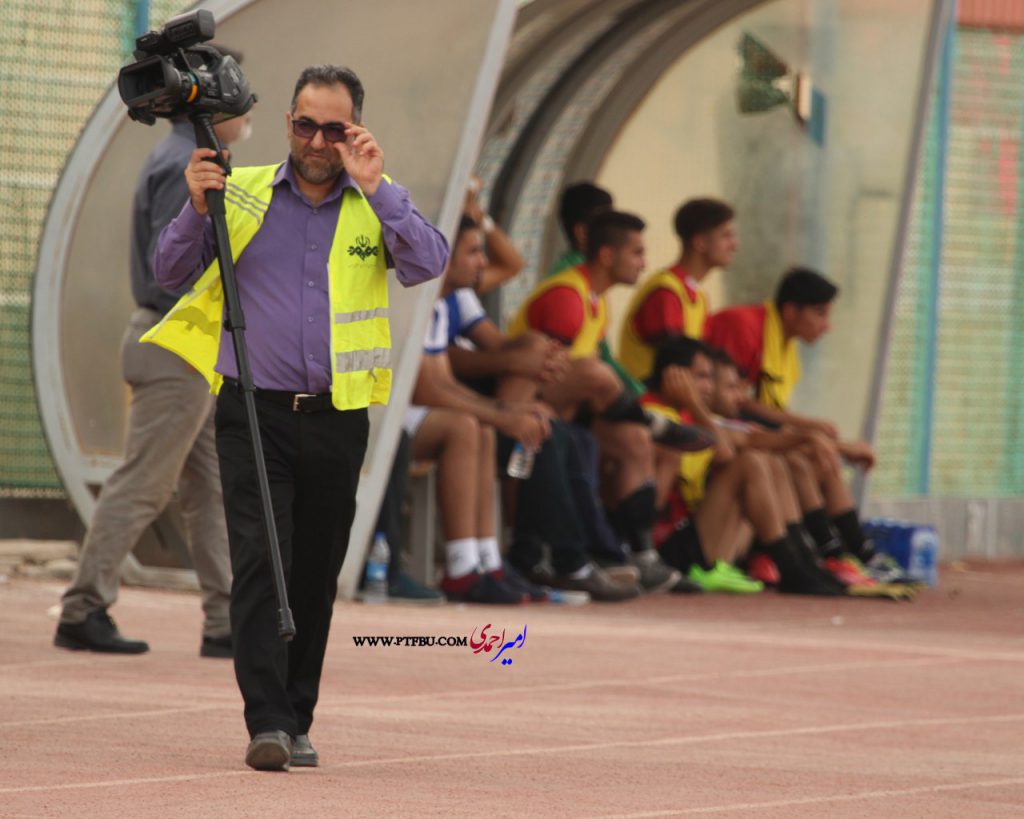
{"type": "Point", "coordinates": [915, 547]}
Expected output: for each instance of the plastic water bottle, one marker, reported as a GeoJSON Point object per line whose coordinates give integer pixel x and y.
{"type": "Point", "coordinates": [376, 588]}
{"type": "Point", "coordinates": [520, 462]}
{"type": "Point", "coordinates": [924, 553]}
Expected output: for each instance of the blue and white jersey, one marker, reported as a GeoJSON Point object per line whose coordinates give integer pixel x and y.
{"type": "Point", "coordinates": [453, 318]}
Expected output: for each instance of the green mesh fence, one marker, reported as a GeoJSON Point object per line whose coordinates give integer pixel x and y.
{"type": "Point", "coordinates": [976, 439]}
{"type": "Point", "coordinates": [57, 58]}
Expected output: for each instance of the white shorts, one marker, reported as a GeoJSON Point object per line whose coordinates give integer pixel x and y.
{"type": "Point", "coordinates": [414, 419]}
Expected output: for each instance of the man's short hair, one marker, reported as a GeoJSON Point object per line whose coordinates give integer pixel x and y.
{"type": "Point", "coordinates": [327, 75]}
{"type": "Point", "coordinates": [698, 216]}
{"type": "Point", "coordinates": [720, 358]}
{"type": "Point", "coordinates": [467, 222]}
{"type": "Point", "coordinates": [677, 351]}
{"type": "Point", "coordinates": [610, 228]}
{"type": "Point", "coordinates": [580, 202]}
{"type": "Point", "coordinates": [804, 288]}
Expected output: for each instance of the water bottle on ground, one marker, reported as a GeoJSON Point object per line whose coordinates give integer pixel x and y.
{"type": "Point", "coordinates": [924, 554]}
{"type": "Point", "coordinates": [376, 588]}
{"type": "Point", "coordinates": [520, 462]}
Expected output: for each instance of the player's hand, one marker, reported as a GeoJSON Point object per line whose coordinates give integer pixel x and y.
{"type": "Point", "coordinates": [678, 387]}
{"type": "Point", "coordinates": [858, 453]}
{"type": "Point", "coordinates": [202, 174]}
{"type": "Point", "coordinates": [362, 157]}
{"type": "Point", "coordinates": [471, 207]}
{"type": "Point", "coordinates": [520, 421]}
{"type": "Point", "coordinates": [826, 428]}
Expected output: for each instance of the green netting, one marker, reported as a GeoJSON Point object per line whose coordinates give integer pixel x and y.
{"type": "Point", "coordinates": [56, 61]}
{"type": "Point", "coordinates": [976, 439]}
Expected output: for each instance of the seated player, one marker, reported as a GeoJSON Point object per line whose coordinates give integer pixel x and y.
{"type": "Point", "coordinates": [827, 510]}
{"type": "Point", "coordinates": [454, 425]}
{"type": "Point", "coordinates": [570, 308]}
{"type": "Point", "coordinates": [720, 497]}
{"type": "Point", "coordinates": [672, 302]}
{"type": "Point", "coordinates": [761, 339]}
{"type": "Point", "coordinates": [514, 370]}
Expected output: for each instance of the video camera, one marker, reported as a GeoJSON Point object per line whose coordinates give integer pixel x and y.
{"type": "Point", "coordinates": [174, 75]}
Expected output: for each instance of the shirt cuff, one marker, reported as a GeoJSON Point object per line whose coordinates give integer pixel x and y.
{"type": "Point", "coordinates": [189, 220]}
{"type": "Point", "coordinates": [386, 201]}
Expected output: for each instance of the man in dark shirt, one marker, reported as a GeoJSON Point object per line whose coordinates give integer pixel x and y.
{"type": "Point", "coordinates": [169, 442]}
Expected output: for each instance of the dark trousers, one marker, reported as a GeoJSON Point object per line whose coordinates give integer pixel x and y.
{"type": "Point", "coordinates": [583, 467]}
{"type": "Point", "coordinates": [545, 511]}
{"type": "Point", "coordinates": [313, 463]}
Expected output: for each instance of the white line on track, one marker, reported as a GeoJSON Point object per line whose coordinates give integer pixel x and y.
{"type": "Point", "coordinates": [346, 708]}
{"type": "Point", "coordinates": [162, 712]}
{"type": "Point", "coordinates": [637, 681]}
{"type": "Point", "coordinates": [731, 736]}
{"type": "Point", "coordinates": [821, 800]}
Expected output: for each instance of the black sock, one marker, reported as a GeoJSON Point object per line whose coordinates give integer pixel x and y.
{"type": "Point", "coordinates": [848, 526]}
{"type": "Point", "coordinates": [797, 571]}
{"type": "Point", "coordinates": [624, 409]}
{"type": "Point", "coordinates": [802, 541]}
{"type": "Point", "coordinates": [683, 549]}
{"type": "Point", "coordinates": [634, 518]}
{"type": "Point", "coordinates": [826, 538]}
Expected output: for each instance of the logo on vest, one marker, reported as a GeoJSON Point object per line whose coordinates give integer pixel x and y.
{"type": "Point", "coordinates": [362, 248]}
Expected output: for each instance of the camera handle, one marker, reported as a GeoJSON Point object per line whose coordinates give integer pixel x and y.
{"type": "Point", "coordinates": [207, 138]}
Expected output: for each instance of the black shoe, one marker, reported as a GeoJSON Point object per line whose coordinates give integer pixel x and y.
{"type": "Point", "coordinates": [513, 579]}
{"type": "Point", "coordinates": [655, 574]}
{"type": "Point", "coordinates": [803, 581]}
{"type": "Point", "coordinates": [540, 575]}
{"type": "Point", "coordinates": [269, 751]}
{"type": "Point", "coordinates": [681, 437]}
{"type": "Point", "coordinates": [686, 586]}
{"type": "Point", "coordinates": [304, 755]}
{"type": "Point", "coordinates": [217, 647]}
{"type": "Point", "coordinates": [599, 586]}
{"type": "Point", "coordinates": [486, 588]}
{"type": "Point", "coordinates": [96, 633]}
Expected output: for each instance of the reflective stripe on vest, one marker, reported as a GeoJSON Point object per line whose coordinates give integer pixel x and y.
{"type": "Point", "coordinates": [635, 354]}
{"type": "Point", "coordinates": [590, 334]}
{"type": "Point", "coordinates": [358, 290]}
{"type": "Point", "coordinates": [780, 362]}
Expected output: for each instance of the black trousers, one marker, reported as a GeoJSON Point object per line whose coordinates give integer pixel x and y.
{"type": "Point", "coordinates": [313, 464]}
{"type": "Point", "coordinates": [546, 512]}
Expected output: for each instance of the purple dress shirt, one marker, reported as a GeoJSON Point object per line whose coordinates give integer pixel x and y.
{"type": "Point", "coordinates": [282, 275]}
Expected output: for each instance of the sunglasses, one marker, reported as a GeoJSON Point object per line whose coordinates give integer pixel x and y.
{"type": "Point", "coordinates": [306, 129]}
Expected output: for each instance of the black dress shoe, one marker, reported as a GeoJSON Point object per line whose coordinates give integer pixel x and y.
{"type": "Point", "coordinates": [269, 751]}
{"type": "Point", "coordinates": [96, 633]}
{"type": "Point", "coordinates": [304, 755]}
{"type": "Point", "coordinates": [217, 647]}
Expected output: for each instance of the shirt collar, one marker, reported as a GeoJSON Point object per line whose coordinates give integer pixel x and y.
{"type": "Point", "coordinates": [285, 173]}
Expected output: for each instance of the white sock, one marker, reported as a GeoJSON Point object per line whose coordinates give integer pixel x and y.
{"type": "Point", "coordinates": [584, 571]}
{"type": "Point", "coordinates": [461, 556]}
{"type": "Point", "coordinates": [490, 554]}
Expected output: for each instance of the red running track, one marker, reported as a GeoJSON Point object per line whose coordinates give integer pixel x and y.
{"type": "Point", "coordinates": [765, 706]}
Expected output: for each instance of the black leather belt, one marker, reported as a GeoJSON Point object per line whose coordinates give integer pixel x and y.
{"type": "Point", "coordinates": [295, 401]}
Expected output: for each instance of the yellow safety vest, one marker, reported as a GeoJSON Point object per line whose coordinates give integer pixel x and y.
{"type": "Point", "coordinates": [693, 466]}
{"type": "Point", "coordinates": [780, 362]}
{"type": "Point", "coordinates": [357, 284]}
{"type": "Point", "coordinates": [590, 334]}
{"type": "Point", "coordinates": [635, 354]}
